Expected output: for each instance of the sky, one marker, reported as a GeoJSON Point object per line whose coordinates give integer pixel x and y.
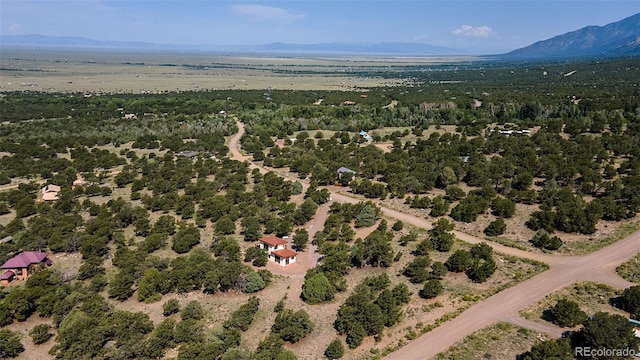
{"type": "Point", "coordinates": [476, 27]}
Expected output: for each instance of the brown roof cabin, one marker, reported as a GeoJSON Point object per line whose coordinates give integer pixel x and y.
{"type": "Point", "coordinates": [22, 265]}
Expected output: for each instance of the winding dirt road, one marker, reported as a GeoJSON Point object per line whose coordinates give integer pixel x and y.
{"type": "Point", "coordinates": [598, 266]}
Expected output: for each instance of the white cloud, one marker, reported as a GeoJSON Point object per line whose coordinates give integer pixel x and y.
{"type": "Point", "coordinates": [468, 30]}
{"type": "Point", "coordinates": [262, 12]}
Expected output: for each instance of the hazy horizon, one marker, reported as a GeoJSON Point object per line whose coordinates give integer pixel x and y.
{"type": "Point", "coordinates": [474, 27]}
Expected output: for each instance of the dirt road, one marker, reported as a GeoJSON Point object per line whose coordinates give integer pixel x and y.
{"type": "Point", "coordinates": [598, 266]}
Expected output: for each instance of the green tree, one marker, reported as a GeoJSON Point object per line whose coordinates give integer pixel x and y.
{"type": "Point", "coordinates": [251, 228]}
{"type": "Point", "coordinates": [300, 239]}
{"type": "Point", "coordinates": [438, 270]}
{"type": "Point", "coordinates": [335, 350]}
{"type": "Point", "coordinates": [317, 289]}
{"type": "Point", "coordinates": [503, 207]}
{"type": "Point", "coordinates": [161, 338]}
{"type": "Point", "coordinates": [225, 226]}
{"type": "Point", "coordinates": [292, 326]}
{"type": "Point", "coordinates": [171, 306]}
{"type": "Point", "coordinates": [440, 235]}
{"type": "Point", "coordinates": [431, 289]}
{"type": "Point", "coordinates": [557, 349]}
{"type": "Point", "coordinates": [243, 316]}
{"type": "Point", "coordinates": [608, 331]}
{"type": "Point", "coordinates": [439, 206]}
{"type": "Point", "coordinates": [193, 310]}
{"type": "Point", "coordinates": [631, 300]}
{"type": "Point", "coordinates": [397, 226]}
{"type": "Point", "coordinates": [189, 330]}
{"type": "Point", "coordinates": [377, 250]}
{"type": "Point", "coordinates": [481, 269]}
{"type": "Point", "coordinates": [416, 270]}
{"type": "Point", "coordinates": [272, 348]}
{"type": "Point", "coordinates": [390, 307]}
{"type": "Point", "coordinates": [496, 227]}
{"type": "Point", "coordinates": [482, 251]}
{"type": "Point", "coordinates": [254, 283]}
{"type": "Point", "coordinates": [226, 247]}
{"type": "Point", "coordinates": [567, 313]}
{"type": "Point", "coordinates": [10, 345]}
{"type": "Point", "coordinates": [367, 216]}
{"type": "Point", "coordinates": [306, 211]}
{"type": "Point", "coordinates": [121, 287]}
{"type": "Point", "coordinates": [187, 237]}
{"type": "Point", "coordinates": [543, 240]}
{"type": "Point", "coordinates": [40, 333]}
{"type": "Point", "coordinates": [258, 256]}
{"type": "Point", "coordinates": [459, 261]}
{"type": "Point", "coordinates": [149, 285]}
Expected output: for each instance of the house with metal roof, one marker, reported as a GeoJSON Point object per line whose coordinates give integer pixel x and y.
{"type": "Point", "coordinates": [21, 266]}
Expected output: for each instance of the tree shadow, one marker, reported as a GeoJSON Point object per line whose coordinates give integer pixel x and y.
{"type": "Point", "coordinates": [547, 316]}
{"type": "Point", "coordinates": [617, 303]}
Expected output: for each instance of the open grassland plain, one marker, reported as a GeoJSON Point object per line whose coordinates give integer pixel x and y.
{"type": "Point", "coordinates": [110, 72]}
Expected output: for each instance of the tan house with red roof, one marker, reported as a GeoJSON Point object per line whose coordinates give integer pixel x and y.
{"type": "Point", "coordinates": [22, 265]}
{"type": "Point", "coordinates": [277, 250]}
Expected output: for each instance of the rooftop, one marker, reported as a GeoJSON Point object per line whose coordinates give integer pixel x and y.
{"type": "Point", "coordinates": [7, 275]}
{"type": "Point", "coordinates": [285, 253]}
{"type": "Point", "coordinates": [24, 259]}
{"type": "Point", "coordinates": [343, 169]}
{"type": "Point", "coordinates": [273, 241]}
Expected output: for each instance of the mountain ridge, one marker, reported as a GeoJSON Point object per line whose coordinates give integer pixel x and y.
{"type": "Point", "coordinates": [620, 38]}
{"type": "Point", "coordinates": [390, 48]}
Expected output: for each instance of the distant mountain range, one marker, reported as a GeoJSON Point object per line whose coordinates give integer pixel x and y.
{"type": "Point", "coordinates": [621, 38]}
{"type": "Point", "coordinates": [397, 48]}
{"type": "Point", "coordinates": [617, 39]}
{"type": "Point", "coordinates": [76, 42]}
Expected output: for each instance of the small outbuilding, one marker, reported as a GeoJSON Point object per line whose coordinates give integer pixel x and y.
{"type": "Point", "coordinates": [365, 135]}
{"type": "Point", "coordinates": [187, 154]}
{"type": "Point", "coordinates": [342, 170]}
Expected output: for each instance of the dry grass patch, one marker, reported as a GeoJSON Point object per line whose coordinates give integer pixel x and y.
{"type": "Point", "coordinates": [630, 270]}
{"type": "Point", "coordinates": [592, 298]}
{"type": "Point", "coordinates": [499, 341]}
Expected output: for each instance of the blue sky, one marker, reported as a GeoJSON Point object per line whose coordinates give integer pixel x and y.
{"type": "Point", "coordinates": [477, 27]}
